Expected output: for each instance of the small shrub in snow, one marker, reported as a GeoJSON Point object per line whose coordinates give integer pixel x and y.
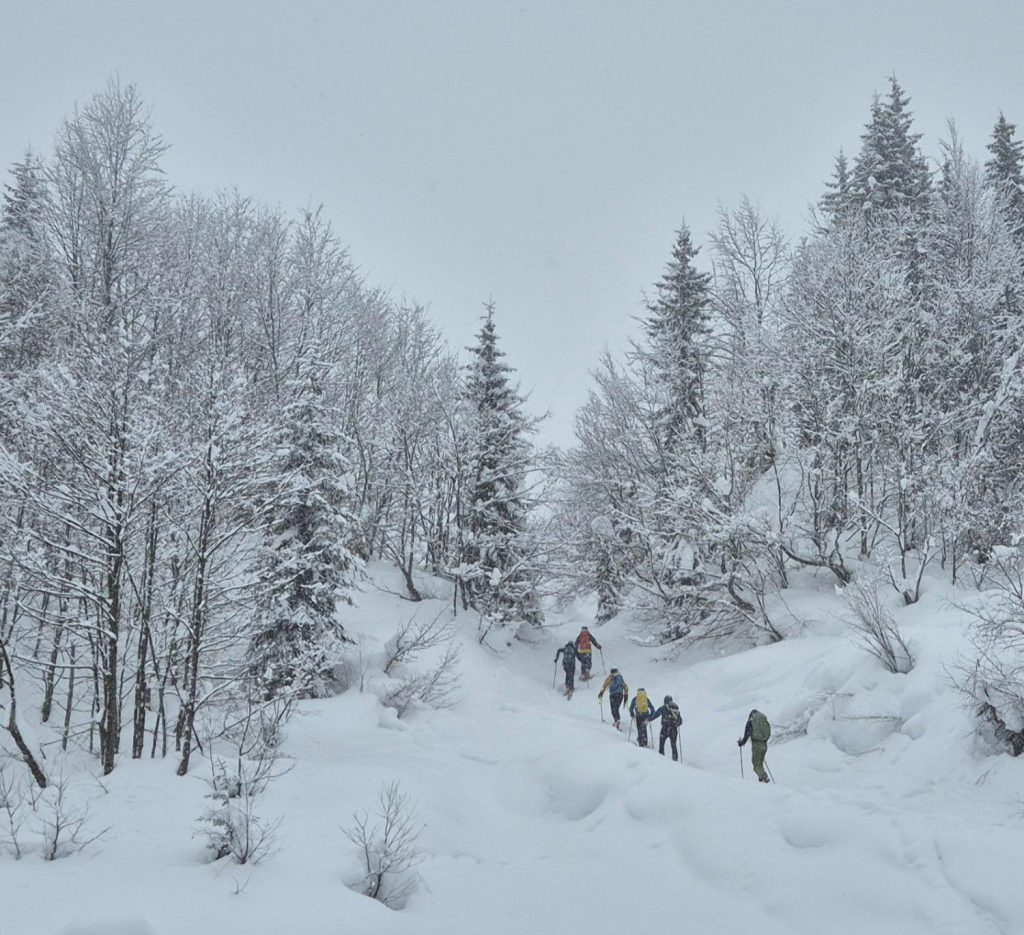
{"type": "Point", "coordinates": [876, 627]}
{"type": "Point", "coordinates": [231, 824]}
{"type": "Point", "coordinates": [15, 807]}
{"type": "Point", "coordinates": [415, 637]}
{"type": "Point", "coordinates": [389, 848]}
{"type": "Point", "coordinates": [62, 820]}
{"type": "Point", "coordinates": [435, 688]}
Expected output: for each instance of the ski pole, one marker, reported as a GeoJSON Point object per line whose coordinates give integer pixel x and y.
{"type": "Point", "coordinates": [742, 775]}
{"type": "Point", "coordinates": [554, 675]}
{"type": "Point", "coordinates": [769, 772]}
{"type": "Point", "coordinates": [600, 702]}
{"type": "Point", "coordinates": [603, 666]}
{"type": "Point", "coordinates": [629, 733]}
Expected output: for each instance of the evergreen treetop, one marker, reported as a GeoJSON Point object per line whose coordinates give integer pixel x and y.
{"type": "Point", "coordinates": [678, 319]}
{"type": "Point", "coordinates": [1004, 172]}
{"type": "Point", "coordinates": [890, 171]}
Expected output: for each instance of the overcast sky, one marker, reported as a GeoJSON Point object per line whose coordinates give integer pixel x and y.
{"type": "Point", "coordinates": [539, 152]}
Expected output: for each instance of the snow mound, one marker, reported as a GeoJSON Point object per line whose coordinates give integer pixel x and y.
{"type": "Point", "coordinates": [109, 924]}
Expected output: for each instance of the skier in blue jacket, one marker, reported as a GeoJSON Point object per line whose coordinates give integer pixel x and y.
{"type": "Point", "coordinates": [618, 691]}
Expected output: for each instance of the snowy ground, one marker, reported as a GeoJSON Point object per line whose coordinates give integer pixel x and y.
{"type": "Point", "coordinates": [887, 816]}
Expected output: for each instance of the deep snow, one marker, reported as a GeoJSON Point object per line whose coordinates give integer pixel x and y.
{"type": "Point", "coordinates": [888, 815]}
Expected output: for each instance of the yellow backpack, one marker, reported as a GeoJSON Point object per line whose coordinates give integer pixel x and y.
{"type": "Point", "coordinates": [642, 704]}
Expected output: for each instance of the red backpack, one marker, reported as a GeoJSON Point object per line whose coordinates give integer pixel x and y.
{"type": "Point", "coordinates": [583, 641]}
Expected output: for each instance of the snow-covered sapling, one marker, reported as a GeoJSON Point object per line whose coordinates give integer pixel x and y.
{"type": "Point", "coordinates": [63, 820]}
{"type": "Point", "coordinates": [389, 848]}
{"type": "Point", "coordinates": [435, 688]}
{"type": "Point", "coordinates": [877, 628]}
{"type": "Point", "coordinates": [416, 636]}
{"type": "Point", "coordinates": [15, 806]}
{"type": "Point", "coordinates": [230, 823]}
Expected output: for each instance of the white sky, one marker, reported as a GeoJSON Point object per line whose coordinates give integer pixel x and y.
{"type": "Point", "coordinates": [538, 152]}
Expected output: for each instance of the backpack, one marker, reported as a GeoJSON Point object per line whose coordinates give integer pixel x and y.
{"type": "Point", "coordinates": [618, 684]}
{"type": "Point", "coordinates": [672, 716]}
{"type": "Point", "coordinates": [643, 706]}
{"type": "Point", "coordinates": [760, 729]}
{"type": "Point", "coordinates": [583, 641]}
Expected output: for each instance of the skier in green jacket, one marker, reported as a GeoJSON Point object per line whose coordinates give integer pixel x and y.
{"type": "Point", "coordinates": [758, 731]}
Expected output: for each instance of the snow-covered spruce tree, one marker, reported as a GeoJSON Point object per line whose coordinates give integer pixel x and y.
{"type": "Point", "coordinates": [676, 357]}
{"type": "Point", "coordinates": [836, 203]}
{"type": "Point", "coordinates": [496, 573]}
{"type": "Point", "coordinates": [676, 323]}
{"type": "Point", "coordinates": [890, 172]}
{"type": "Point", "coordinates": [305, 568]}
{"type": "Point", "coordinates": [1005, 172]}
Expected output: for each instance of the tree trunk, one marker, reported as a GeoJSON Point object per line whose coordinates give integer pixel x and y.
{"type": "Point", "coordinates": [141, 686]}
{"type": "Point", "coordinates": [70, 702]}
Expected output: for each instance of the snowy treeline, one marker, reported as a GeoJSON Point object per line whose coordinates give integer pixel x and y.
{"type": "Point", "coordinates": [856, 394]}
{"type": "Point", "coordinates": [208, 422]}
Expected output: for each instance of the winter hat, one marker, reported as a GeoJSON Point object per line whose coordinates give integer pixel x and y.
{"type": "Point", "coordinates": [615, 671]}
{"type": "Point", "coordinates": [668, 699]}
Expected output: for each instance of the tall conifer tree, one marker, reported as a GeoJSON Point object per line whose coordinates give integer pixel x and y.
{"type": "Point", "coordinates": [305, 569]}
{"type": "Point", "coordinates": [890, 171]}
{"type": "Point", "coordinates": [677, 321]}
{"type": "Point", "coordinates": [497, 574]}
{"type": "Point", "coordinates": [1004, 172]}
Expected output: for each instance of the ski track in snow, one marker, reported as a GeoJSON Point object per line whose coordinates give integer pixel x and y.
{"type": "Point", "coordinates": [541, 818]}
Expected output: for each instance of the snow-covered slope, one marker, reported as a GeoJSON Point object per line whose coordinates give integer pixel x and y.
{"type": "Point", "coordinates": [886, 817]}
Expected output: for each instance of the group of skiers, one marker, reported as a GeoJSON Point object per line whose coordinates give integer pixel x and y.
{"type": "Point", "coordinates": [582, 649]}
{"type": "Point", "coordinates": [642, 710]}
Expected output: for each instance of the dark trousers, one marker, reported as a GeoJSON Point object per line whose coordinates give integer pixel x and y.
{"type": "Point", "coordinates": [641, 730]}
{"type": "Point", "coordinates": [615, 701]}
{"type": "Point", "coordinates": [570, 678]}
{"type": "Point", "coordinates": [669, 733]}
{"type": "Point", "coordinates": [586, 661]}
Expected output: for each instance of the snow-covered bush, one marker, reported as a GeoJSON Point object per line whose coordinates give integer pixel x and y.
{"type": "Point", "coordinates": [434, 688]}
{"type": "Point", "coordinates": [415, 637]}
{"type": "Point", "coordinates": [231, 824]}
{"type": "Point", "coordinates": [14, 810]}
{"type": "Point", "coordinates": [877, 628]}
{"type": "Point", "coordinates": [389, 848]}
{"type": "Point", "coordinates": [993, 681]}
{"type": "Point", "coordinates": [62, 819]}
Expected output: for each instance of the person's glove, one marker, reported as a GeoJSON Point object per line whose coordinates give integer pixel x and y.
{"type": "Point", "coordinates": [600, 695]}
{"type": "Point", "coordinates": [739, 743]}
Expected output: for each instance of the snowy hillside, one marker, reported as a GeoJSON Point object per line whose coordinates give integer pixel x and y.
{"type": "Point", "coordinates": [887, 816]}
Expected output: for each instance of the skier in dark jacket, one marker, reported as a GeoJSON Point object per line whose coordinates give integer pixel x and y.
{"type": "Point", "coordinates": [618, 691]}
{"type": "Point", "coordinates": [670, 721]}
{"type": "Point", "coordinates": [569, 657]}
{"type": "Point", "coordinates": [584, 646]}
{"type": "Point", "coordinates": [757, 731]}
